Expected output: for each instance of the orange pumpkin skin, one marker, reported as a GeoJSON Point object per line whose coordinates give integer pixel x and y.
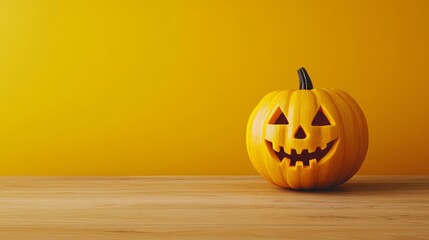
{"type": "Point", "coordinates": [307, 138]}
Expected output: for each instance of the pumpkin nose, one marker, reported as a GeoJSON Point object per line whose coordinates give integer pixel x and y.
{"type": "Point", "coordinates": [300, 134]}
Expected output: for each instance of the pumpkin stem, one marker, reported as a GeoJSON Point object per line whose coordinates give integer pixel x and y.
{"type": "Point", "coordinates": [304, 80]}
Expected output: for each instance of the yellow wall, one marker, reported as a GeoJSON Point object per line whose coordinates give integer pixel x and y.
{"type": "Point", "coordinates": [166, 87]}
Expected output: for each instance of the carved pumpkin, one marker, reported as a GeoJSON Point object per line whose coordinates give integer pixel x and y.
{"type": "Point", "coordinates": [307, 138]}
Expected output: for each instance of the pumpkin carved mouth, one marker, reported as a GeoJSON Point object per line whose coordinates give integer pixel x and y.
{"type": "Point", "coordinates": [305, 156]}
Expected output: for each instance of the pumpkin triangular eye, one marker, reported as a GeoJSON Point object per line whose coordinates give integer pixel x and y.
{"type": "Point", "coordinates": [278, 117]}
{"type": "Point", "coordinates": [320, 119]}
{"type": "Point", "coordinates": [281, 119]}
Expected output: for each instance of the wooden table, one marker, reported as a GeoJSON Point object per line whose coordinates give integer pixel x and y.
{"type": "Point", "coordinates": [215, 207]}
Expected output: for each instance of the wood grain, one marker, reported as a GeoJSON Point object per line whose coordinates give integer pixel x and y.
{"type": "Point", "coordinates": [215, 207]}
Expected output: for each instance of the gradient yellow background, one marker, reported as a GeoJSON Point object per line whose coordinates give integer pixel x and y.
{"type": "Point", "coordinates": [166, 87]}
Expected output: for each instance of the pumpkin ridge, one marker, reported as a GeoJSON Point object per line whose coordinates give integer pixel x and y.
{"type": "Point", "coordinates": [340, 178]}
{"type": "Point", "coordinates": [356, 164]}
{"type": "Point", "coordinates": [316, 101]}
{"type": "Point", "coordinates": [287, 98]}
{"type": "Point", "coordinates": [263, 103]}
{"type": "Point", "coordinates": [296, 173]}
{"type": "Point", "coordinates": [343, 138]}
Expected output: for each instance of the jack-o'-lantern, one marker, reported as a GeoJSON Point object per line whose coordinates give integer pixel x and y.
{"type": "Point", "coordinates": [307, 138]}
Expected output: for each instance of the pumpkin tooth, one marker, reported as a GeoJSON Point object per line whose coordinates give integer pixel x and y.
{"type": "Point", "coordinates": [286, 161]}
{"type": "Point", "coordinates": [276, 147]}
{"type": "Point", "coordinates": [311, 149]}
{"type": "Point", "coordinates": [323, 146]}
{"type": "Point", "coordinates": [299, 150]}
{"type": "Point", "coordinates": [299, 164]}
{"type": "Point", "coordinates": [287, 150]}
{"type": "Point", "coordinates": [313, 162]}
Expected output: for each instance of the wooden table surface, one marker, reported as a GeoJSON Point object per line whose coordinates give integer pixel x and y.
{"type": "Point", "coordinates": [212, 207]}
